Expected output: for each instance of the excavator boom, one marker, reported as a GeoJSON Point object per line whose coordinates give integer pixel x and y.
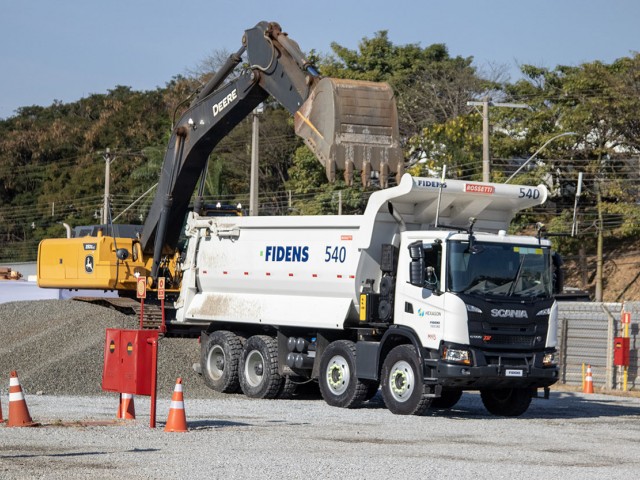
{"type": "Point", "coordinates": [349, 125]}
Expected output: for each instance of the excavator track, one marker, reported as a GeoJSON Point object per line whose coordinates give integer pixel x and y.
{"type": "Point", "coordinates": [152, 315]}
{"type": "Point", "coordinates": [152, 312]}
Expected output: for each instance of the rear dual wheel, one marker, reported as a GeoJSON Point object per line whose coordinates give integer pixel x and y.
{"type": "Point", "coordinates": [259, 377]}
{"type": "Point", "coordinates": [219, 360]}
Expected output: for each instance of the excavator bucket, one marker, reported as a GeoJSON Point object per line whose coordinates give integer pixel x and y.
{"type": "Point", "coordinates": [352, 125]}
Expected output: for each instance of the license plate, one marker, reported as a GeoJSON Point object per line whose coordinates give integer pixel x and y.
{"type": "Point", "coordinates": [513, 373]}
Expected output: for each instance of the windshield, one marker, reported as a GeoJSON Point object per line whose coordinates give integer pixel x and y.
{"type": "Point", "coordinates": [499, 269]}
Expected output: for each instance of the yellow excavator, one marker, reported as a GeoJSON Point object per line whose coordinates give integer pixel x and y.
{"type": "Point", "coordinates": [349, 125]}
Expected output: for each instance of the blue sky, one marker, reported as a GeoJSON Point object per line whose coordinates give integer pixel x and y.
{"type": "Point", "coordinates": [68, 49]}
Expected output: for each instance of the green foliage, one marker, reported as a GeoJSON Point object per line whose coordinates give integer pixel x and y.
{"type": "Point", "coordinates": [454, 143]}
{"type": "Point", "coordinates": [314, 194]}
{"type": "Point", "coordinates": [52, 158]}
{"type": "Point", "coordinates": [430, 85]}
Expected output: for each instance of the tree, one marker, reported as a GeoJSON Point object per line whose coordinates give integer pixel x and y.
{"type": "Point", "coordinates": [454, 143]}
{"type": "Point", "coordinates": [314, 195]}
{"type": "Point", "coordinates": [430, 85]}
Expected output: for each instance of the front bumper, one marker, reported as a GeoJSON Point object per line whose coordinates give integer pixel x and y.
{"type": "Point", "coordinates": [493, 370]}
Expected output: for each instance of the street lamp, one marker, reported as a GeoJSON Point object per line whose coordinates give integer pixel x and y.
{"type": "Point", "coordinates": [537, 152]}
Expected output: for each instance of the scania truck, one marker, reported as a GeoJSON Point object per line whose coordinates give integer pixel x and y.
{"type": "Point", "coordinates": [424, 296]}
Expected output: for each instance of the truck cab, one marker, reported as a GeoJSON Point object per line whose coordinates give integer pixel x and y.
{"type": "Point", "coordinates": [482, 305]}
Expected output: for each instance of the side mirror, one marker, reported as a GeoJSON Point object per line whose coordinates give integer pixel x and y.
{"type": "Point", "coordinates": [558, 274]}
{"type": "Point", "coordinates": [122, 253]}
{"type": "Point", "coordinates": [416, 273]}
{"type": "Point", "coordinates": [416, 267]}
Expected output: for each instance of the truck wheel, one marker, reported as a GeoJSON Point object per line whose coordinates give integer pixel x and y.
{"type": "Point", "coordinates": [447, 399]}
{"type": "Point", "coordinates": [287, 389]}
{"type": "Point", "coordinates": [372, 388]}
{"type": "Point", "coordinates": [339, 385]}
{"type": "Point", "coordinates": [402, 386]}
{"type": "Point", "coordinates": [506, 402]}
{"type": "Point", "coordinates": [259, 376]}
{"type": "Point", "coordinates": [219, 359]}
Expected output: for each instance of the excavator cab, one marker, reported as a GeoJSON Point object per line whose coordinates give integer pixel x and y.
{"type": "Point", "coordinates": [352, 125]}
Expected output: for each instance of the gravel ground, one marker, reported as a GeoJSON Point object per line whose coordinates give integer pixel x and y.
{"type": "Point", "coordinates": [57, 349]}
{"type": "Point", "coordinates": [572, 436]}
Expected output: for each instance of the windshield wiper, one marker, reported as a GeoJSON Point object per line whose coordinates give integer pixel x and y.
{"type": "Point", "coordinates": [515, 280]}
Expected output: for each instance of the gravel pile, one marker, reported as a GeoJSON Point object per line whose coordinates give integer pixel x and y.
{"type": "Point", "coordinates": [57, 348]}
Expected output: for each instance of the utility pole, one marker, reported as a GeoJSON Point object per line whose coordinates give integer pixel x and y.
{"type": "Point", "coordinates": [485, 104]}
{"type": "Point", "coordinates": [255, 152]}
{"type": "Point", "coordinates": [107, 176]}
{"type": "Point", "coordinates": [486, 159]}
{"type": "Point", "coordinates": [599, 248]}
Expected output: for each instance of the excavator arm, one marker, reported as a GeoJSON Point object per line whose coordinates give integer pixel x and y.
{"type": "Point", "coordinates": [341, 121]}
{"type": "Point", "coordinates": [212, 115]}
{"type": "Point", "coordinates": [349, 125]}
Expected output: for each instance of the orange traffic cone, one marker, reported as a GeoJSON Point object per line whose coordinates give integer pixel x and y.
{"type": "Point", "coordinates": [18, 411]}
{"type": "Point", "coordinates": [588, 381]}
{"type": "Point", "coordinates": [177, 421]}
{"type": "Point", "coordinates": [126, 409]}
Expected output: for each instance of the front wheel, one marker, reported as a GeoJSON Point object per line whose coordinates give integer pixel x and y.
{"type": "Point", "coordinates": [339, 385]}
{"type": "Point", "coordinates": [506, 402]}
{"type": "Point", "coordinates": [259, 376]}
{"type": "Point", "coordinates": [402, 386]}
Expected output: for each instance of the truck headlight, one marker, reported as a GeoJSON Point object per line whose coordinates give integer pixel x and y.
{"type": "Point", "coordinates": [549, 360]}
{"type": "Point", "coordinates": [455, 355]}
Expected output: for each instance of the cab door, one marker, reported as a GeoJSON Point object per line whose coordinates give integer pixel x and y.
{"type": "Point", "coordinates": [419, 301]}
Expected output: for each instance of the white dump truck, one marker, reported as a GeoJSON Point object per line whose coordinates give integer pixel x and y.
{"type": "Point", "coordinates": [425, 295]}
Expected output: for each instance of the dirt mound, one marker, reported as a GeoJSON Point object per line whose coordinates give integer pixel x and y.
{"type": "Point", "coordinates": [57, 347]}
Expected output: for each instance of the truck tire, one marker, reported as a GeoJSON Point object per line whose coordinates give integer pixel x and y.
{"type": "Point", "coordinates": [339, 385]}
{"type": "Point", "coordinates": [402, 386]}
{"type": "Point", "coordinates": [287, 389]}
{"type": "Point", "coordinates": [372, 389]}
{"type": "Point", "coordinates": [447, 399]}
{"type": "Point", "coordinates": [506, 402]}
{"type": "Point", "coordinates": [219, 359]}
{"type": "Point", "coordinates": [259, 376]}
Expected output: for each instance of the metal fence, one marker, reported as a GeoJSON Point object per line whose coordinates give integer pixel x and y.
{"type": "Point", "coordinates": [586, 332]}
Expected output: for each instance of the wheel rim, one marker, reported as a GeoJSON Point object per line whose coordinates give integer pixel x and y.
{"type": "Point", "coordinates": [254, 368]}
{"type": "Point", "coordinates": [338, 375]}
{"type": "Point", "coordinates": [216, 362]}
{"type": "Point", "coordinates": [401, 381]}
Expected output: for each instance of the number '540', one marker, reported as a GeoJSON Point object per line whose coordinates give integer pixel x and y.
{"type": "Point", "coordinates": [529, 193]}
{"type": "Point", "coordinates": [335, 254]}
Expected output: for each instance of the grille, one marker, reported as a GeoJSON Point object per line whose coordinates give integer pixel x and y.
{"type": "Point", "coordinates": [520, 340]}
{"type": "Point", "coordinates": [508, 361]}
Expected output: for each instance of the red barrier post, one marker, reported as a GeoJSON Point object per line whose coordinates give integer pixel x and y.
{"type": "Point", "coordinates": [161, 295]}
{"type": "Point", "coordinates": [154, 380]}
{"type": "Point", "coordinates": [141, 292]}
